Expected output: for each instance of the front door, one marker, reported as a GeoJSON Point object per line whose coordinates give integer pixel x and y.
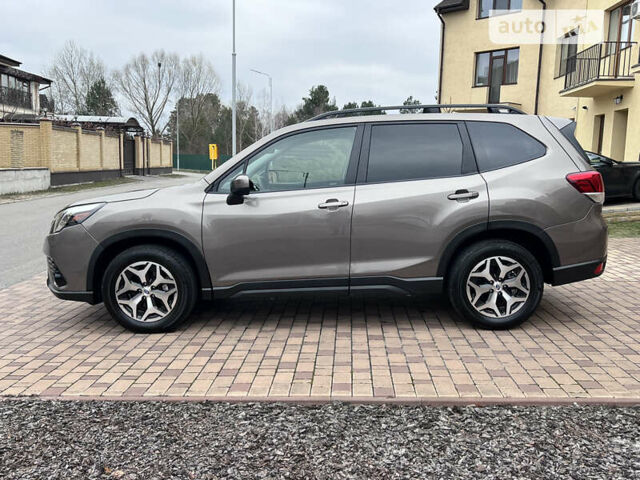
{"type": "Point", "coordinates": [293, 230]}
{"type": "Point", "coordinates": [496, 76]}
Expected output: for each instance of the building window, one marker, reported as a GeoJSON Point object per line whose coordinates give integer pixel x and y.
{"type": "Point", "coordinates": [566, 54]}
{"type": "Point", "coordinates": [499, 67]}
{"type": "Point", "coordinates": [621, 27]}
{"type": "Point", "coordinates": [486, 6]}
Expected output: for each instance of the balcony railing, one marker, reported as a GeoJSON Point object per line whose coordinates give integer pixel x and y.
{"type": "Point", "coordinates": [13, 97]}
{"type": "Point", "coordinates": [602, 61]}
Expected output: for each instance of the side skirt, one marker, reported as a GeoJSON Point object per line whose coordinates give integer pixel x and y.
{"type": "Point", "coordinates": [332, 286]}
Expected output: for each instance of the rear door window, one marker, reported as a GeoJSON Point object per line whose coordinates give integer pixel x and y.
{"type": "Point", "coordinates": [414, 151]}
{"type": "Point", "coordinates": [499, 145]}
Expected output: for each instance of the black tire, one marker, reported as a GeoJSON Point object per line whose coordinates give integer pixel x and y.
{"type": "Point", "coordinates": [175, 264]}
{"type": "Point", "coordinates": [469, 258]}
{"type": "Point", "coordinates": [636, 190]}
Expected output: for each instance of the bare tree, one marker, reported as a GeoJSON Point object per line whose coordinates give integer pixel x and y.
{"type": "Point", "coordinates": [147, 83]}
{"type": "Point", "coordinates": [73, 71]}
{"type": "Point", "coordinates": [264, 113]}
{"type": "Point", "coordinates": [281, 118]}
{"type": "Point", "coordinates": [197, 83]}
{"type": "Point", "coordinates": [247, 118]}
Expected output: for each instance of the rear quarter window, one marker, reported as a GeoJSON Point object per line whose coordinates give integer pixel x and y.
{"type": "Point", "coordinates": [569, 133]}
{"type": "Point", "coordinates": [499, 145]}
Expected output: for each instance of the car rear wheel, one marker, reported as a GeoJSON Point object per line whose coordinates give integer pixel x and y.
{"type": "Point", "coordinates": [495, 284]}
{"type": "Point", "coordinates": [149, 288]}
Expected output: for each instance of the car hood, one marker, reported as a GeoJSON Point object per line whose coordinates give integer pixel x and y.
{"type": "Point", "coordinates": [118, 197]}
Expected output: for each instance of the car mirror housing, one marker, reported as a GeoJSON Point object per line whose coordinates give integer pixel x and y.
{"type": "Point", "coordinates": [241, 185]}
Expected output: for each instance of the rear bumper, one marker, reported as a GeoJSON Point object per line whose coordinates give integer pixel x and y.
{"type": "Point", "coordinates": [578, 272]}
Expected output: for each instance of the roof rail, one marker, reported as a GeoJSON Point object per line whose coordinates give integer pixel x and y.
{"type": "Point", "coordinates": [436, 108]}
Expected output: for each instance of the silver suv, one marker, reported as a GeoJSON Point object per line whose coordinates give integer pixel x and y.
{"type": "Point", "coordinates": [486, 207]}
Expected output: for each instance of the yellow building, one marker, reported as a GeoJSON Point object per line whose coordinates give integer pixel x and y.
{"type": "Point", "coordinates": [559, 72]}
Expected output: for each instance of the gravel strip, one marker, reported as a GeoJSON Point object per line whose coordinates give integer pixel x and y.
{"type": "Point", "coordinates": [156, 440]}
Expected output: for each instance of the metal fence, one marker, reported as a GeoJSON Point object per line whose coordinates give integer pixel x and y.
{"type": "Point", "coordinates": [603, 61]}
{"type": "Point", "coordinates": [199, 163]}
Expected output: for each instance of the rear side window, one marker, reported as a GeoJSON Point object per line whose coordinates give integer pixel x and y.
{"type": "Point", "coordinates": [499, 145]}
{"type": "Point", "coordinates": [414, 151]}
{"type": "Point", "coordinates": [569, 134]}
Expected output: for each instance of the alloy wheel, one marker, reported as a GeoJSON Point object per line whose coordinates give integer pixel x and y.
{"type": "Point", "coordinates": [146, 291]}
{"type": "Point", "coordinates": [498, 287]}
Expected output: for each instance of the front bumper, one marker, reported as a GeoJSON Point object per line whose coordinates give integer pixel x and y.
{"type": "Point", "coordinates": [578, 272]}
{"type": "Point", "coordinates": [68, 256]}
{"type": "Point", "coordinates": [88, 297]}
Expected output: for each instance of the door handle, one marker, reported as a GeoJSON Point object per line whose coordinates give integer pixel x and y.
{"type": "Point", "coordinates": [333, 203]}
{"type": "Point", "coordinates": [463, 195]}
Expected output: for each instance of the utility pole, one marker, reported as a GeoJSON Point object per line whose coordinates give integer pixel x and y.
{"type": "Point", "coordinates": [233, 85]}
{"type": "Point", "coordinates": [270, 98]}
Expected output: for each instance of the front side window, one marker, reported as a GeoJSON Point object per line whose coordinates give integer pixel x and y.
{"type": "Point", "coordinates": [225, 184]}
{"type": "Point", "coordinates": [414, 152]}
{"type": "Point", "coordinates": [486, 6]}
{"type": "Point", "coordinates": [499, 145]}
{"type": "Point", "coordinates": [499, 67]}
{"type": "Point", "coordinates": [315, 159]}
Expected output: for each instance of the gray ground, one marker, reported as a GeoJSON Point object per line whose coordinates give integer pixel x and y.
{"type": "Point", "coordinates": [25, 223]}
{"type": "Point", "coordinates": [152, 440]}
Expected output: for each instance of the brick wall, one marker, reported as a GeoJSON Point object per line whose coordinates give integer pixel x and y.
{"type": "Point", "coordinates": [90, 151]}
{"type": "Point", "coordinates": [64, 150]}
{"type": "Point", "coordinates": [151, 153]}
{"type": "Point", "coordinates": [19, 146]}
{"type": "Point", "coordinates": [68, 150]}
{"type": "Point", "coordinates": [111, 152]}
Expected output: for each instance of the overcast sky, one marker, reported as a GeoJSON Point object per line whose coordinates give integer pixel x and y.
{"type": "Point", "coordinates": [383, 50]}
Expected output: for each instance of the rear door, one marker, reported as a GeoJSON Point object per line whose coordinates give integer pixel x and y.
{"type": "Point", "coordinates": [418, 187]}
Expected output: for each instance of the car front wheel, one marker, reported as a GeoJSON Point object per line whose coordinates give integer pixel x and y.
{"type": "Point", "coordinates": [149, 288]}
{"type": "Point", "coordinates": [495, 284]}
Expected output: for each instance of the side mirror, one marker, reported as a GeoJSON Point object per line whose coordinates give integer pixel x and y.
{"type": "Point", "coordinates": [240, 186]}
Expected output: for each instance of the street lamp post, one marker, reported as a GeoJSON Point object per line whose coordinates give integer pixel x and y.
{"type": "Point", "coordinates": [178, 132]}
{"type": "Point", "coordinates": [270, 97]}
{"type": "Point", "coordinates": [233, 84]}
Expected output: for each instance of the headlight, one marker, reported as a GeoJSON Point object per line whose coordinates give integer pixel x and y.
{"type": "Point", "coordinates": [74, 216]}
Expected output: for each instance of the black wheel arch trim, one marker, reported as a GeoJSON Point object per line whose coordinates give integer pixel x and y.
{"type": "Point", "coordinates": [478, 229]}
{"type": "Point", "coordinates": [196, 254]}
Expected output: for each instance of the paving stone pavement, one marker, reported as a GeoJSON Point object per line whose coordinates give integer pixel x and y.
{"type": "Point", "coordinates": [583, 343]}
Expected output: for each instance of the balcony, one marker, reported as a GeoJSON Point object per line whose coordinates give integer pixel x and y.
{"type": "Point", "coordinates": [12, 97]}
{"type": "Point", "coordinates": [599, 69]}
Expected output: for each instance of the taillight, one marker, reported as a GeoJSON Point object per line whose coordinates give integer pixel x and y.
{"type": "Point", "coordinates": [590, 183]}
{"type": "Point", "coordinates": [599, 269]}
